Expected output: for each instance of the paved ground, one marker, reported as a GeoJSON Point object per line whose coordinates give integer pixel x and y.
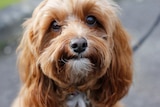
{"type": "Point", "coordinates": [138, 16]}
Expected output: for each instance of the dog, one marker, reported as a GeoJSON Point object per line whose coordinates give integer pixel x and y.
{"type": "Point", "coordinates": [74, 53]}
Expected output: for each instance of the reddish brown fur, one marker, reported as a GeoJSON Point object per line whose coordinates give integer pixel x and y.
{"type": "Point", "coordinates": [46, 83]}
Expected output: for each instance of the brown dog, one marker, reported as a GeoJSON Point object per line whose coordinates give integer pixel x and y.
{"type": "Point", "coordinates": [74, 53]}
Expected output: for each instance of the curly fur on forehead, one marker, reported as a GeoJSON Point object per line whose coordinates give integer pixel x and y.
{"type": "Point", "coordinates": [61, 10]}
{"type": "Point", "coordinates": [73, 46]}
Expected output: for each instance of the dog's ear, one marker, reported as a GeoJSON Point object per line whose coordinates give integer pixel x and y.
{"type": "Point", "coordinates": [27, 48]}
{"type": "Point", "coordinates": [116, 82]}
{"type": "Point", "coordinates": [119, 75]}
{"type": "Point", "coordinates": [26, 58]}
{"type": "Point", "coordinates": [39, 88]}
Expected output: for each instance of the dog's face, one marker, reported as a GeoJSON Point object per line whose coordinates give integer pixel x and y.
{"type": "Point", "coordinates": [77, 43]}
{"type": "Point", "coordinates": [74, 39]}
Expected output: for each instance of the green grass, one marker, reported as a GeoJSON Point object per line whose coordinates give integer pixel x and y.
{"type": "Point", "coordinates": [5, 3]}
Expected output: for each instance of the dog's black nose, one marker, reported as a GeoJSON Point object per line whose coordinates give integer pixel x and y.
{"type": "Point", "coordinates": [78, 45]}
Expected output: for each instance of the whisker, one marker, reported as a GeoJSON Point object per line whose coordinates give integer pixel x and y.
{"type": "Point", "coordinates": [63, 60]}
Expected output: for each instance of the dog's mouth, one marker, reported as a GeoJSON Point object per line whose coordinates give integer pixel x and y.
{"type": "Point", "coordinates": [76, 67]}
{"type": "Point", "coordinates": [65, 59]}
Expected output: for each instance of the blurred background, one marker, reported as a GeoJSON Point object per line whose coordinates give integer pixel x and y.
{"type": "Point", "coordinates": [141, 18]}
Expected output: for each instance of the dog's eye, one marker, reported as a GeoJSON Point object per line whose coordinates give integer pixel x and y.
{"type": "Point", "coordinates": [55, 26]}
{"type": "Point", "coordinates": [91, 20]}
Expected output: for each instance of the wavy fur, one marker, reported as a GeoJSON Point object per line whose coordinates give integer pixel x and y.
{"type": "Point", "coordinates": [47, 64]}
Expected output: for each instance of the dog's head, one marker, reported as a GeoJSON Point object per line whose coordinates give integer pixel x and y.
{"type": "Point", "coordinates": [76, 43]}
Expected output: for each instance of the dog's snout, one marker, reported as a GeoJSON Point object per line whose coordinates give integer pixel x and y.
{"type": "Point", "coordinates": [78, 45]}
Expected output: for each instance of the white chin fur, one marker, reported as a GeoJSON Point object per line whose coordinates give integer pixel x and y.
{"type": "Point", "coordinates": [80, 68]}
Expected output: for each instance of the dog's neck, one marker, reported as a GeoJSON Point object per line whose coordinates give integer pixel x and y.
{"type": "Point", "coordinates": [78, 99]}
{"type": "Point", "coordinates": [73, 96]}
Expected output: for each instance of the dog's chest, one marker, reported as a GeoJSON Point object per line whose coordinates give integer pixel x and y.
{"type": "Point", "coordinates": [78, 99]}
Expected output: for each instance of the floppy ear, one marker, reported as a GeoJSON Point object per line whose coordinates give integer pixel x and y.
{"type": "Point", "coordinates": [120, 71]}
{"type": "Point", "coordinates": [26, 51]}
{"type": "Point", "coordinates": [37, 89]}
{"type": "Point", "coordinates": [116, 82]}
{"type": "Point", "coordinates": [26, 58]}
